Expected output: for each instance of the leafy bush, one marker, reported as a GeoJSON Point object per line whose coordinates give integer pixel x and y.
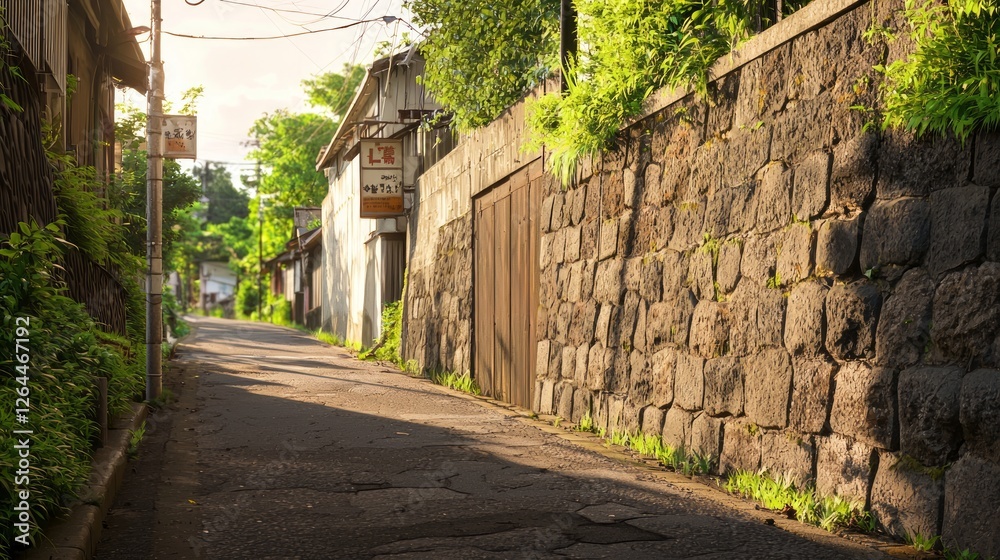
{"type": "Point", "coordinates": [67, 350]}
{"type": "Point", "coordinates": [386, 348]}
{"type": "Point", "coordinates": [632, 48]}
{"type": "Point", "coordinates": [951, 82]}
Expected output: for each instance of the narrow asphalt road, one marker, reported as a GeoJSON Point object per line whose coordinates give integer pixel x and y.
{"type": "Point", "coordinates": [279, 446]}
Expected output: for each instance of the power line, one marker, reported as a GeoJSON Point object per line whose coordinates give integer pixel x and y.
{"type": "Point", "coordinates": [319, 15]}
{"type": "Point", "coordinates": [383, 19]}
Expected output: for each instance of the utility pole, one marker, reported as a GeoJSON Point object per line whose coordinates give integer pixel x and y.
{"type": "Point", "coordinates": [154, 212]}
{"type": "Point", "coordinates": [260, 247]}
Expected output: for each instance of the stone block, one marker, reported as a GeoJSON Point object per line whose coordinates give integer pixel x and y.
{"type": "Point", "coordinates": [843, 467]}
{"type": "Point", "coordinates": [616, 415]}
{"type": "Point", "coordinates": [573, 292]}
{"type": "Point", "coordinates": [701, 274]}
{"type": "Point", "coordinates": [966, 313]}
{"type": "Point", "coordinates": [542, 358]}
{"type": "Point", "coordinates": [724, 387]}
{"type": "Point", "coordinates": [608, 281]}
{"type": "Point", "coordinates": [545, 403]}
{"type": "Point", "coordinates": [790, 456]}
{"type": "Point", "coordinates": [599, 367]}
{"type": "Point", "coordinates": [774, 198]}
{"type": "Point", "coordinates": [653, 189]}
{"type": "Point", "coordinates": [582, 354]}
{"type": "Point", "coordinates": [837, 246]}
{"type": "Point", "coordinates": [677, 427]}
{"type": "Point", "coordinates": [630, 418]}
{"type": "Point", "coordinates": [581, 330]}
{"type": "Point", "coordinates": [558, 201]}
{"type": "Point", "coordinates": [803, 130]}
{"type": "Point", "coordinates": [626, 235]}
{"type": "Point", "coordinates": [587, 284]}
{"type": "Point", "coordinates": [958, 222]}
{"type": "Point", "coordinates": [795, 256]}
{"type": "Point", "coordinates": [760, 258]}
{"type": "Point", "coordinates": [668, 323]}
{"type": "Point", "coordinates": [565, 407]}
{"type": "Point", "coordinates": [896, 232]}
{"type": "Point", "coordinates": [731, 210]}
{"type": "Point", "coordinates": [852, 312]}
{"type": "Point", "coordinates": [980, 413]}
{"type": "Point", "coordinates": [987, 161]}
{"type": "Point", "coordinates": [741, 447]}
{"type": "Point", "coordinates": [972, 506]}
{"type": "Point", "coordinates": [545, 250]}
{"type": "Point", "coordinates": [572, 250]}
{"type": "Point", "coordinates": [804, 319]}
{"type": "Point", "coordinates": [651, 285]}
{"type": "Point", "coordinates": [763, 86]}
{"type": "Point", "coordinates": [559, 246]}
{"type": "Point", "coordinates": [910, 166]}
{"type": "Point", "coordinates": [664, 364]}
{"type": "Point", "coordinates": [706, 436]}
{"type": "Point", "coordinates": [568, 370]}
{"type": "Point", "coordinates": [602, 329]}
{"type": "Point", "coordinates": [652, 420]}
{"type": "Point", "coordinates": [589, 239]}
{"type": "Point", "coordinates": [675, 274]}
{"type": "Point", "coordinates": [546, 213]}
{"type": "Point", "coordinates": [633, 274]}
{"type": "Point", "coordinates": [904, 328]}
{"type": "Point", "coordinates": [689, 382]}
{"type": "Point", "coordinates": [639, 338]}
{"type": "Point", "coordinates": [640, 388]}
{"type": "Point", "coordinates": [757, 315]}
{"type": "Point", "coordinates": [608, 241]}
{"type": "Point", "coordinates": [905, 499]}
{"type": "Point", "coordinates": [852, 174]}
{"type": "Point", "coordinates": [581, 405]}
{"type": "Point", "coordinates": [993, 232]}
{"type": "Point", "coordinates": [710, 329]}
{"type": "Point", "coordinates": [811, 186]}
{"type": "Point", "coordinates": [929, 425]}
{"type": "Point", "coordinates": [811, 382]}
{"type": "Point", "coordinates": [727, 271]}
{"type": "Point", "coordinates": [767, 387]}
{"type": "Point", "coordinates": [864, 404]}
{"type": "Point", "coordinates": [579, 205]}
{"type": "Point", "coordinates": [689, 219]}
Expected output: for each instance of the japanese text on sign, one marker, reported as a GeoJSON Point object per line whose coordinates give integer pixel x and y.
{"type": "Point", "coordinates": [180, 135]}
{"type": "Point", "coordinates": [381, 178]}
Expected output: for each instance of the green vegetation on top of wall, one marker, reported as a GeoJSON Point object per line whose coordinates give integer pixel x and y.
{"type": "Point", "coordinates": [631, 49]}
{"type": "Point", "coordinates": [951, 82]}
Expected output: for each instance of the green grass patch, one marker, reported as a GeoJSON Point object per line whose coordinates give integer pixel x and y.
{"type": "Point", "coordinates": [461, 382]}
{"type": "Point", "coordinates": [778, 493]}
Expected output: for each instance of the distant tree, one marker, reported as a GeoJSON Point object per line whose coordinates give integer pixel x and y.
{"type": "Point", "coordinates": [482, 56]}
{"type": "Point", "coordinates": [224, 200]}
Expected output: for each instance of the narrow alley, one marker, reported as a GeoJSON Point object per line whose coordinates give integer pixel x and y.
{"type": "Point", "coordinates": [279, 446]}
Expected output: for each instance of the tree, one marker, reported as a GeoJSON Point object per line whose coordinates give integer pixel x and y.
{"type": "Point", "coordinates": [224, 200]}
{"type": "Point", "coordinates": [333, 91]}
{"type": "Point", "coordinates": [483, 56]}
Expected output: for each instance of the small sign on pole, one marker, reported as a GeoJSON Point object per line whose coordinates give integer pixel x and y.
{"type": "Point", "coordinates": [381, 178]}
{"type": "Point", "coordinates": [180, 137]}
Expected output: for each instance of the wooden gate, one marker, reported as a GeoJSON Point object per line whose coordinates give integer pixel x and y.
{"type": "Point", "coordinates": [505, 283]}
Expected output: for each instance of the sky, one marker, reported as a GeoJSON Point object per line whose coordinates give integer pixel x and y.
{"type": "Point", "coordinates": [245, 79]}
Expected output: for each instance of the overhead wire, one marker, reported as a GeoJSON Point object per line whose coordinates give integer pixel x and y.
{"type": "Point", "coordinates": [385, 19]}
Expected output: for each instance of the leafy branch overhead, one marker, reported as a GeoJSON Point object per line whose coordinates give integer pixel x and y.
{"type": "Point", "coordinates": [483, 56]}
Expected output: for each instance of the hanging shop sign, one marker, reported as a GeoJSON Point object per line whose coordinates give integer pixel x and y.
{"type": "Point", "coordinates": [381, 178]}
{"type": "Point", "coordinates": [180, 135]}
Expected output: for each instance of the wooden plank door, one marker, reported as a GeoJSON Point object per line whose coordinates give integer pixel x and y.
{"type": "Point", "coordinates": [505, 250]}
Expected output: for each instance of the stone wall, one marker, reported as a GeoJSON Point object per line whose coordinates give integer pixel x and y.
{"type": "Point", "coordinates": [438, 313]}
{"type": "Point", "coordinates": [766, 279]}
